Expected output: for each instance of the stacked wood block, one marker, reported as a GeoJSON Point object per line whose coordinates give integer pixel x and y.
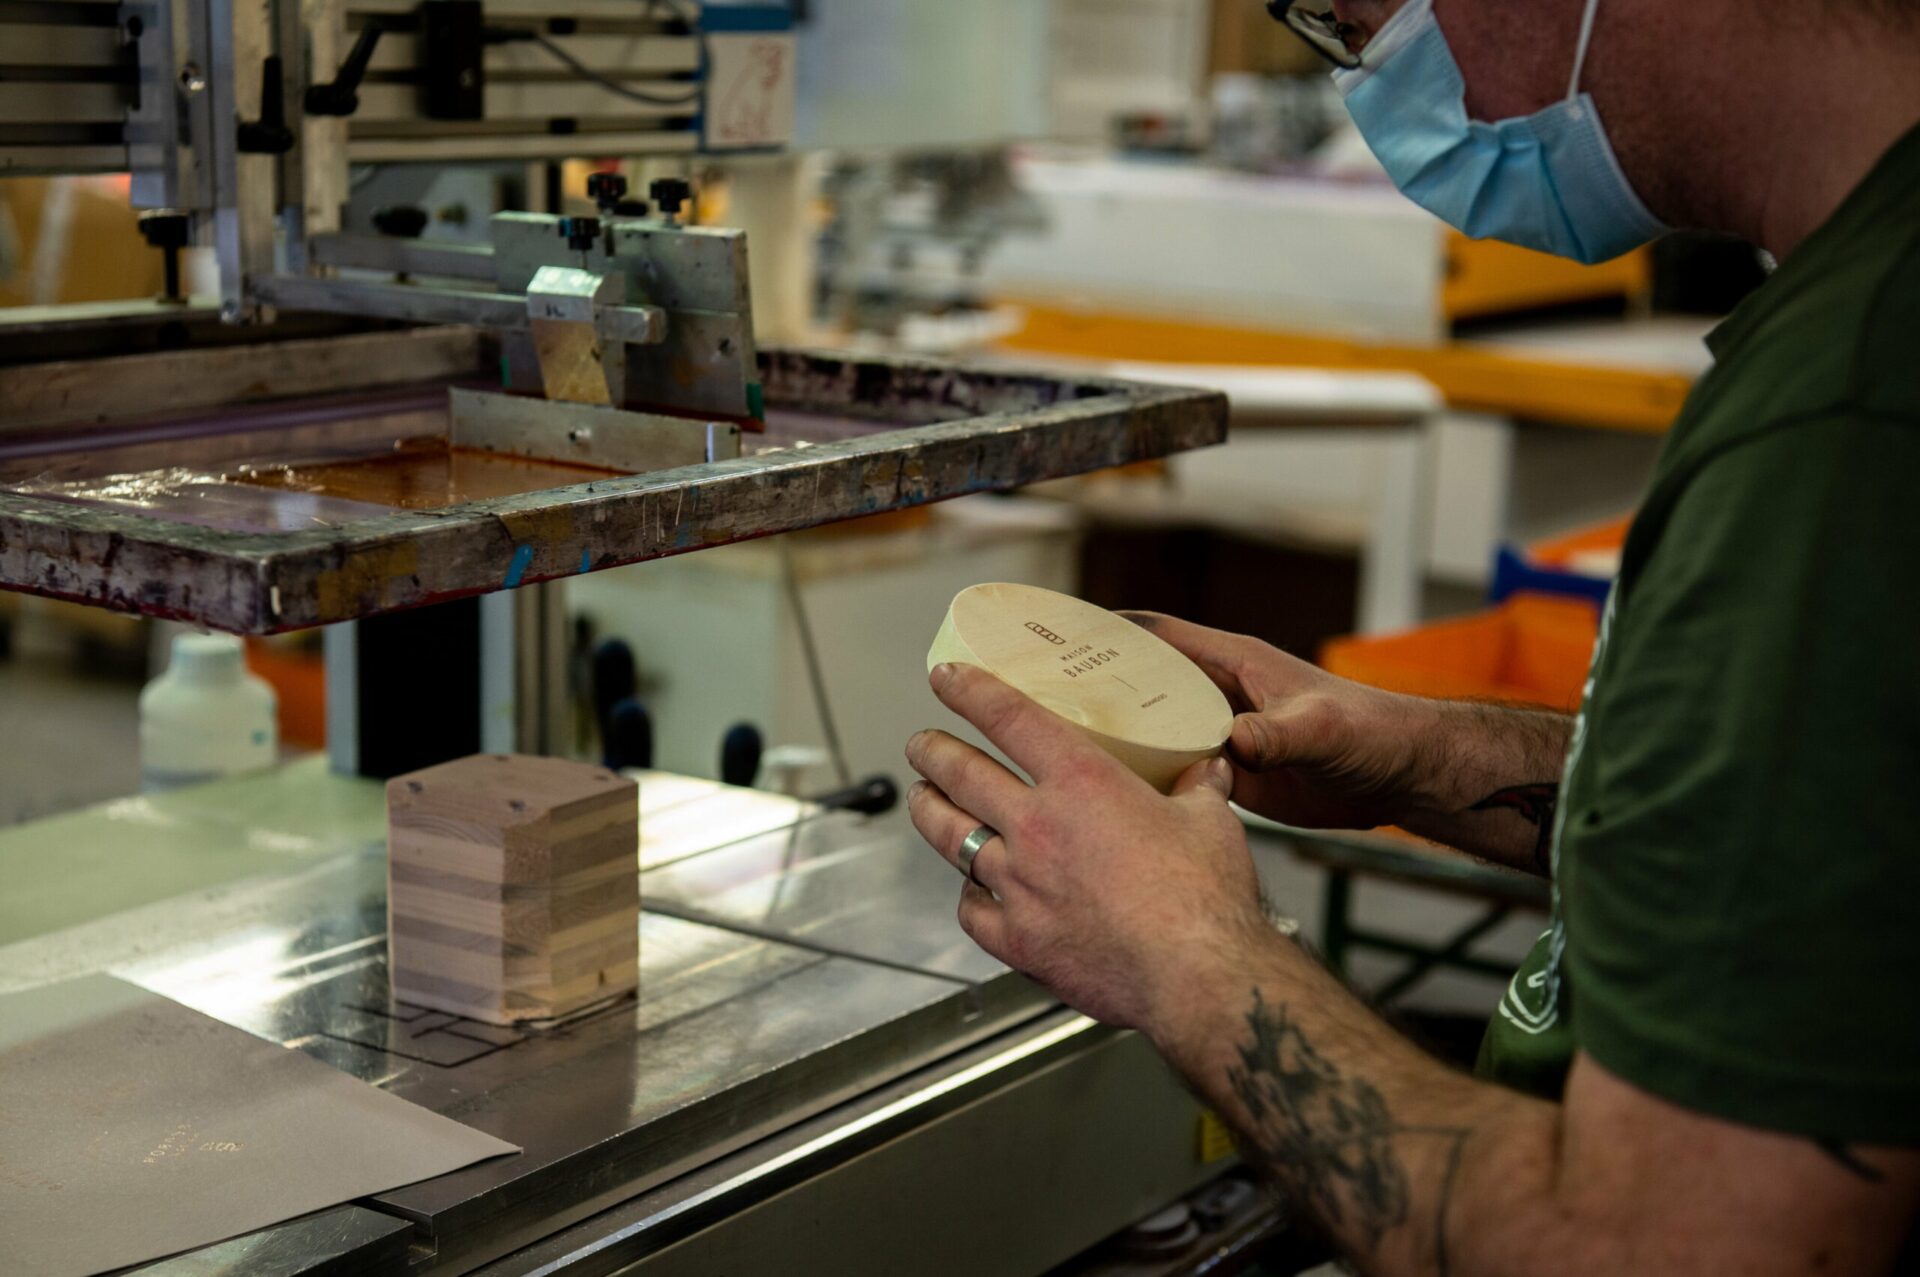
{"type": "Point", "coordinates": [513, 887]}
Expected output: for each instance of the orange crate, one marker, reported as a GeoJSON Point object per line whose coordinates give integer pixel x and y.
{"type": "Point", "coordinates": [1534, 648]}
{"type": "Point", "coordinates": [1558, 552]}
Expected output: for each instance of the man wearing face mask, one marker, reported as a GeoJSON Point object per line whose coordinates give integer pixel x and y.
{"type": "Point", "coordinates": [1711, 1061]}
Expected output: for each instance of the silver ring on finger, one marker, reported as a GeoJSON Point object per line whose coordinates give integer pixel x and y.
{"type": "Point", "coordinates": [970, 848]}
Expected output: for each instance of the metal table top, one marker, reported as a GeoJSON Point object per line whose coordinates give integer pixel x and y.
{"type": "Point", "coordinates": [878, 897]}
{"type": "Point", "coordinates": [736, 1033]}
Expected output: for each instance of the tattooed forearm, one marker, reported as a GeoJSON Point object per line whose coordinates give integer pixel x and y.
{"type": "Point", "coordinates": [1534, 804]}
{"type": "Point", "coordinates": [1442, 1264]}
{"type": "Point", "coordinates": [1327, 1136]}
{"type": "Point", "coordinates": [1330, 1136]}
{"type": "Point", "coordinates": [1467, 767]}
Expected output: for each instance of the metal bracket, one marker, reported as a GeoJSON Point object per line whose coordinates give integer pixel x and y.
{"type": "Point", "coordinates": [586, 433]}
{"type": "Point", "coordinates": [581, 331]}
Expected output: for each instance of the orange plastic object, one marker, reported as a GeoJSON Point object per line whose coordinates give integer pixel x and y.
{"type": "Point", "coordinates": [1510, 381]}
{"type": "Point", "coordinates": [299, 679]}
{"type": "Point", "coordinates": [1487, 277]}
{"type": "Point", "coordinates": [1557, 552]}
{"type": "Point", "coordinates": [1534, 649]}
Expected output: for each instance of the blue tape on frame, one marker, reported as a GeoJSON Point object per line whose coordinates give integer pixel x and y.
{"type": "Point", "coordinates": [522, 555]}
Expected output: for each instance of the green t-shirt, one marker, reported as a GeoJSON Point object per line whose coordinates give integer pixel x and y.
{"type": "Point", "coordinates": [1737, 852]}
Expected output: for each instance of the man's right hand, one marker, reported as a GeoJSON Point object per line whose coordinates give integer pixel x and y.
{"type": "Point", "coordinates": [1309, 748]}
{"type": "Point", "coordinates": [1312, 749]}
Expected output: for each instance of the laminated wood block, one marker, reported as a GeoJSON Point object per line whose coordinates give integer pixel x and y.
{"type": "Point", "coordinates": [1133, 694]}
{"type": "Point", "coordinates": [513, 887]}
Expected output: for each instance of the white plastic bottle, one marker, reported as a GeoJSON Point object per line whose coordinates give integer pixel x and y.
{"type": "Point", "coordinates": [206, 717]}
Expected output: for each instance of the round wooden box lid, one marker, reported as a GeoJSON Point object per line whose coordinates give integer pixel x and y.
{"type": "Point", "coordinates": [1133, 694]}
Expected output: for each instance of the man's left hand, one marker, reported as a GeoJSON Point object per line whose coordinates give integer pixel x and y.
{"type": "Point", "coordinates": [1124, 903]}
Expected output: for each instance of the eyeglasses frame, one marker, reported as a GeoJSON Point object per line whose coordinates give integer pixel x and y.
{"type": "Point", "coordinates": [1315, 30]}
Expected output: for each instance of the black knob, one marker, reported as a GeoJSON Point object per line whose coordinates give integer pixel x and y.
{"type": "Point", "coordinates": [614, 678]}
{"type": "Point", "coordinates": [580, 232]}
{"type": "Point", "coordinates": [740, 751]}
{"type": "Point", "coordinates": [874, 796]}
{"type": "Point", "coordinates": [671, 194]}
{"type": "Point", "coordinates": [606, 190]}
{"type": "Point", "coordinates": [268, 135]}
{"type": "Point", "coordinates": [632, 208]}
{"type": "Point", "coordinates": [163, 229]}
{"type": "Point", "coordinates": [168, 232]}
{"type": "Point", "coordinates": [341, 96]}
{"type": "Point", "coordinates": [628, 737]}
{"type": "Point", "coordinates": [402, 221]}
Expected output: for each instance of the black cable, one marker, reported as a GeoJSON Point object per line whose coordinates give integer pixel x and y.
{"type": "Point", "coordinates": [694, 27]}
{"type": "Point", "coordinates": [581, 69]}
{"type": "Point", "coordinates": [815, 679]}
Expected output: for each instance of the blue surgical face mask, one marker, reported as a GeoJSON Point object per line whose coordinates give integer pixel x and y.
{"type": "Point", "coordinates": [1549, 180]}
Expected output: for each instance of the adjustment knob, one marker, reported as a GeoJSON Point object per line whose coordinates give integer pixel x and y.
{"type": "Point", "coordinates": [580, 232]}
{"type": "Point", "coordinates": [671, 194]}
{"type": "Point", "coordinates": [402, 221]}
{"type": "Point", "coordinates": [268, 135]}
{"type": "Point", "coordinates": [169, 232]}
{"type": "Point", "coordinates": [632, 208]}
{"type": "Point", "coordinates": [165, 230]}
{"type": "Point", "coordinates": [606, 189]}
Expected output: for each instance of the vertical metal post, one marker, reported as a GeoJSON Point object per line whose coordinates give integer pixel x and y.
{"type": "Point", "coordinates": [340, 645]}
{"type": "Point", "coordinates": [525, 650]}
{"type": "Point", "coordinates": [162, 163]}
{"type": "Point", "coordinates": [499, 674]}
{"type": "Point", "coordinates": [239, 38]}
{"type": "Point", "coordinates": [542, 710]}
{"type": "Point", "coordinates": [316, 174]}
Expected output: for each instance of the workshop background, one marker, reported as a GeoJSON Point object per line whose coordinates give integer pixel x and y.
{"type": "Point", "coordinates": [1435, 444]}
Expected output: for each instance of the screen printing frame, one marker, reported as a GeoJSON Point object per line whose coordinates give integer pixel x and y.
{"type": "Point", "coordinates": [867, 434]}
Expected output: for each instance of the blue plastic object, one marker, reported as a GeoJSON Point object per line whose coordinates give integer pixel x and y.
{"type": "Point", "coordinates": [1514, 574]}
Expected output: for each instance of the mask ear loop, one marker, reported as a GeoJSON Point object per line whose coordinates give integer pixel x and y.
{"type": "Point", "coordinates": [1580, 52]}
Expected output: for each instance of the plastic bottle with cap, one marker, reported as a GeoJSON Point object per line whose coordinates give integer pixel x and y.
{"type": "Point", "coordinates": [206, 716]}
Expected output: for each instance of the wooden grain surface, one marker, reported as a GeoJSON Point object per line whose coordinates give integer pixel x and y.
{"type": "Point", "coordinates": [1132, 693]}
{"type": "Point", "coordinates": [513, 889]}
